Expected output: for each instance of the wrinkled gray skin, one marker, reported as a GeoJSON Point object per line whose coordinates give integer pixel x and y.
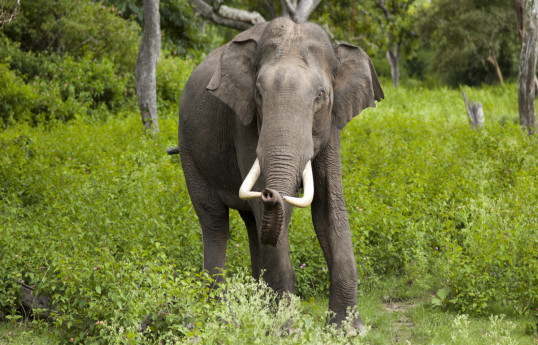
{"type": "Point", "coordinates": [281, 93]}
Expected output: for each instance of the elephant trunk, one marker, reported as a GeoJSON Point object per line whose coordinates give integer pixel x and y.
{"type": "Point", "coordinates": [274, 209]}
{"type": "Point", "coordinates": [281, 178]}
{"type": "Point", "coordinates": [273, 216]}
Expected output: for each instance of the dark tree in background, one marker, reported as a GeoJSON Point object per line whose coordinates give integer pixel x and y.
{"type": "Point", "coordinates": [383, 28]}
{"type": "Point", "coordinates": [146, 66]}
{"type": "Point", "coordinates": [180, 25]}
{"type": "Point", "coordinates": [473, 41]}
{"type": "Point", "coordinates": [527, 13]}
{"type": "Point", "coordinates": [397, 27]}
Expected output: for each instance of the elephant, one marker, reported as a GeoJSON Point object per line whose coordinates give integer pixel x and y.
{"type": "Point", "coordinates": [259, 121]}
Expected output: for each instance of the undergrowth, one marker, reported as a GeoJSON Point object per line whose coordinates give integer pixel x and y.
{"type": "Point", "coordinates": [95, 216]}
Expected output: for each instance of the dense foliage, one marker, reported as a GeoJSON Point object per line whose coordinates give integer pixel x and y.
{"type": "Point", "coordinates": [97, 216]}
{"type": "Point", "coordinates": [466, 35]}
{"type": "Point", "coordinates": [180, 26]}
{"type": "Point", "coordinates": [80, 66]}
{"type": "Point", "coordinates": [97, 219]}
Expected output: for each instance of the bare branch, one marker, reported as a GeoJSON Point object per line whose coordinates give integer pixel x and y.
{"type": "Point", "coordinates": [292, 6]}
{"type": "Point", "coordinates": [241, 15]}
{"type": "Point", "coordinates": [227, 16]}
{"type": "Point", "coordinates": [214, 11]}
{"type": "Point", "coordinates": [304, 10]}
{"type": "Point", "coordinates": [383, 7]}
{"type": "Point", "coordinates": [285, 9]}
{"type": "Point", "coordinates": [8, 14]}
{"type": "Point", "coordinates": [216, 4]}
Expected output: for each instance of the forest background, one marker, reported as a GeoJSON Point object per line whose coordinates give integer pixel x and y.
{"type": "Point", "coordinates": [97, 225]}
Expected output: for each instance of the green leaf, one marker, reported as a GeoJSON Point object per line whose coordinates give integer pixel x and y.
{"type": "Point", "coordinates": [443, 293]}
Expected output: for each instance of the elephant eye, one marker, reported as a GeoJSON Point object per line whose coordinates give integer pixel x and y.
{"type": "Point", "coordinates": [320, 94]}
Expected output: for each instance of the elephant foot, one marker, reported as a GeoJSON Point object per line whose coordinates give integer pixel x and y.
{"type": "Point", "coordinates": [352, 323]}
{"type": "Point", "coordinates": [356, 328]}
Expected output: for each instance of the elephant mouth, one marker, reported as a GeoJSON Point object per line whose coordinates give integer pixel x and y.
{"type": "Point", "coordinates": [246, 193]}
{"type": "Point", "coordinates": [273, 215]}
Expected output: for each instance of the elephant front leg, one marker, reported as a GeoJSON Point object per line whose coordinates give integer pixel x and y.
{"type": "Point", "coordinates": [214, 219]}
{"type": "Point", "coordinates": [331, 223]}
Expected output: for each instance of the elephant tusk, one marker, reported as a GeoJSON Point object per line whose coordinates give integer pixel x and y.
{"type": "Point", "coordinates": [308, 195]}
{"type": "Point", "coordinates": [245, 192]}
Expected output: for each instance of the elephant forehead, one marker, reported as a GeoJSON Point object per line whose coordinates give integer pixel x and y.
{"type": "Point", "coordinates": [289, 76]}
{"type": "Point", "coordinates": [307, 42]}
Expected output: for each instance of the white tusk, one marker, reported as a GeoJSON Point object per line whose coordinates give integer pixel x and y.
{"type": "Point", "coordinates": [308, 184]}
{"type": "Point", "coordinates": [245, 192]}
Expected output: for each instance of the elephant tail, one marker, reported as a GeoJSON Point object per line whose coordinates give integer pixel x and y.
{"type": "Point", "coordinates": [172, 150]}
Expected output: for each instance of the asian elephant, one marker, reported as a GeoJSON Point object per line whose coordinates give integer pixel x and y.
{"type": "Point", "coordinates": [260, 118]}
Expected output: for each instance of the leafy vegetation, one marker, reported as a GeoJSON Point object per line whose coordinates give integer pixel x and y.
{"type": "Point", "coordinates": [464, 53]}
{"type": "Point", "coordinates": [97, 216]}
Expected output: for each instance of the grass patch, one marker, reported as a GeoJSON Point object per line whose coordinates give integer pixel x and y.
{"type": "Point", "coordinates": [18, 333]}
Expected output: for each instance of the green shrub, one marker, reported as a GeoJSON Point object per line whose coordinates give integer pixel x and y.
{"type": "Point", "coordinates": [16, 98]}
{"type": "Point", "coordinates": [95, 215]}
{"type": "Point", "coordinates": [64, 89]}
{"type": "Point", "coordinates": [172, 74]}
{"type": "Point", "coordinates": [72, 58]}
{"type": "Point", "coordinates": [75, 27]}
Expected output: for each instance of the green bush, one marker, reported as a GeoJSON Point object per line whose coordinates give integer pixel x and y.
{"type": "Point", "coordinates": [16, 98]}
{"type": "Point", "coordinates": [64, 89]}
{"type": "Point", "coordinates": [95, 215]}
{"type": "Point", "coordinates": [71, 58]}
{"type": "Point", "coordinates": [75, 27]}
{"type": "Point", "coordinates": [431, 199]}
{"type": "Point", "coordinates": [172, 74]}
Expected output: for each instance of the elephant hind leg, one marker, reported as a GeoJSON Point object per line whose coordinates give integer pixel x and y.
{"type": "Point", "coordinates": [213, 216]}
{"type": "Point", "coordinates": [254, 242]}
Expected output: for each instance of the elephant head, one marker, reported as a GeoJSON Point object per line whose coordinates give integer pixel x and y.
{"type": "Point", "coordinates": [289, 81]}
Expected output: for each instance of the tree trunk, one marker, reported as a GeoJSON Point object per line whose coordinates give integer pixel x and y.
{"type": "Point", "coordinates": [527, 70]}
{"type": "Point", "coordinates": [474, 111]}
{"type": "Point", "coordinates": [393, 56]}
{"type": "Point", "coordinates": [304, 10]}
{"type": "Point", "coordinates": [146, 66]}
{"type": "Point", "coordinates": [493, 60]}
{"type": "Point", "coordinates": [519, 6]}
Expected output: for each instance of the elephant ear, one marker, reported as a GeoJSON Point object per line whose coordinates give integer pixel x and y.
{"type": "Point", "coordinates": [356, 85]}
{"type": "Point", "coordinates": [235, 74]}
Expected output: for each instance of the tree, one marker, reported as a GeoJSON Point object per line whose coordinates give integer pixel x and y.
{"type": "Point", "coordinates": [377, 26]}
{"type": "Point", "coordinates": [180, 26]}
{"type": "Point", "coordinates": [473, 41]}
{"type": "Point", "coordinates": [146, 66]}
{"type": "Point", "coordinates": [8, 11]}
{"type": "Point", "coordinates": [215, 11]}
{"type": "Point", "coordinates": [398, 29]}
{"type": "Point", "coordinates": [527, 12]}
